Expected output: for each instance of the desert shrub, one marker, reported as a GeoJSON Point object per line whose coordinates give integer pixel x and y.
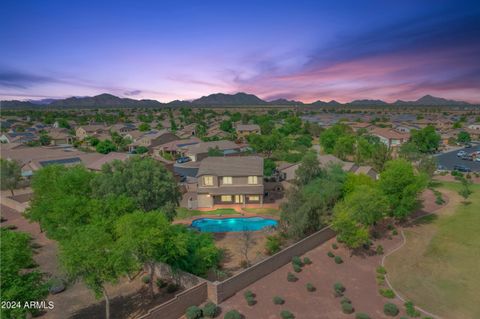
{"type": "Point", "coordinates": [390, 227]}
{"type": "Point", "coordinates": [232, 314]}
{"type": "Point", "coordinates": [330, 254]}
{"type": "Point", "coordinates": [297, 268]}
{"type": "Point", "coordinates": [345, 300]}
{"type": "Point", "coordinates": [387, 293]}
{"type": "Point", "coordinates": [410, 309]}
{"type": "Point", "coordinates": [278, 300]}
{"type": "Point", "coordinates": [210, 310]}
{"type": "Point", "coordinates": [307, 261]}
{"type": "Point", "coordinates": [35, 245]}
{"type": "Point", "coordinates": [339, 289]}
{"type": "Point", "coordinates": [390, 309]}
{"type": "Point", "coordinates": [193, 312]}
{"type": "Point", "coordinates": [161, 283]}
{"type": "Point", "coordinates": [381, 270]}
{"type": "Point", "coordinates": [171, 288]}
{"type": "Point", "coordinates": [361, 315]}
{"type": "Point", "coordinates": [347, 308]}
{"type": "Point", "coordinates": [285, 314]}
{"type": "Point", "coordinates": [10, 227]}
{"type": "Point", "coordinates": [297, 261]}
{"type": "Point", "coordinates": [243, 263]}
{"type": "Point", "coordinates": [250, 301]}
{"type": "Point", "coordinates": [310, 287]}
{"type": "Point", "coordinates": [334, 246]}
{"type": "Point", "coordinates": [379, 250]}
{"type": "Point", "coordinates": [146, 279]}
{"type": "Point", "coordinates": [249, 294]}
{"type": "Point", "coordinates": [291, 277]}
{"type": "Point", "coordinates": [381, 280]}
{"type": "Point", "coordinates": [394, 232]}
{"type": "Point", "coordinates": [273, 244]}
{"type": "Point", "coordinates": [338, 260]}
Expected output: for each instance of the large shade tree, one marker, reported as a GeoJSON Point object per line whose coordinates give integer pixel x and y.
{"type": "Point", "coordinates": [11, 174]}
{"type": "Point", "coordinates": [145, 180]}
{"type": "Point", "coordinates": [17, 284]}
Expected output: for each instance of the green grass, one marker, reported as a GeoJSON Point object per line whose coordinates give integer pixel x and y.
{"type": "Point", "coordinates": [438, 268]}
{"type": "Point", "coordinates": [263, 211]}
{"type": "Point", "coordinates": [183, 213]}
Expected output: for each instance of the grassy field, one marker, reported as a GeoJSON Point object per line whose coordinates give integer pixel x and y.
{"type": "Point", "coordinates": [183, 213]}
{"type": "Point", "coordinates": [438, 268]}
{"type": "Point", "coordinates": [263, 211]}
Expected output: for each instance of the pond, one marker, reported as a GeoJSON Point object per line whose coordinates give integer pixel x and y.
{"type": "Point", "coordinates": [237, 224]}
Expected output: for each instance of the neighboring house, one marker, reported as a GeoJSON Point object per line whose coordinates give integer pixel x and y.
{"type": "Point", "coordinates": [288, 171]}
{"type": "Point", "coordinates": [153, 139]}
{"type": "Point", "coordinates": [18, 137]}
{"type": "Point", "coordinates": [404, 128]}
{"type": "Point", "coordinates": [235, 180]}
{"type": "Point", "coordinates": [474, 127]}
{"type": "Point", "coordinates": [123, 128]}
{"type": "Point", "coordinates": [95, 130]}
{"type": "Point", "coordinates": [360, 125]}
{"type": "Point", "coordinates": [390, 137]}
{"type": "Point", "coordinates": [187, 131]}
{"type": "Point", "coordinates": [174, 148]}
{"type": "Point", "coordinates": [199, 151]}
{"type": "Point", "coordinates": [60, 136]}
{"type": "Point", "coordinates": [243, 130]}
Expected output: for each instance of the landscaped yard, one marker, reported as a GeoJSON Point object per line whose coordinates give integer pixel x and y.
{"type": "Point", "coordinates": [438, 266]}
{"type": "Point", "coordinates": [264, 211]}
{"type": "Point", "coordinates": [183, 213]}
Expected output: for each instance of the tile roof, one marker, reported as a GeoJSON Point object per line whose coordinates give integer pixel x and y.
{"type": "Point", "coordinates": [232, 166]}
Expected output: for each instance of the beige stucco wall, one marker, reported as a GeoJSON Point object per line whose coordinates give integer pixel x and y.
{"type": "Point", "coordinates": [204, 201]}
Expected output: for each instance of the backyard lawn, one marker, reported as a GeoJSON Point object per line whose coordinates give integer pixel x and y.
{"type": "Point", "coordinates": [183, 213]}
{"type": "Point", "coordinates": [438, 267]}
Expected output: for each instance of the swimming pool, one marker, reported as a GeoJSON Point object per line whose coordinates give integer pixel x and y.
{"type": "Point", "coordinates": [238, 224]}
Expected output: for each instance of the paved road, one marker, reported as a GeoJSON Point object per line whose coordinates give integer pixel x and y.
{"type": "Point", "coordinates": [450, 159]}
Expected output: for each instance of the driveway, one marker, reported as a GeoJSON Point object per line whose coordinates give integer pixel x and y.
{"type": "Point", "coordinates": [450, 159]}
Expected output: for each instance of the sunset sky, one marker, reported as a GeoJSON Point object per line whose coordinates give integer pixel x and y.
{"type": "Point", "coordinates": [303, 50]}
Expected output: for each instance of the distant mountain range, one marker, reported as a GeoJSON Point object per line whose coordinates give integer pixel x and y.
{"type": "Point", "coordinates": [215, 100]}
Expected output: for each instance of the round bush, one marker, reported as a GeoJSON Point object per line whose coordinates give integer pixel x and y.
{"type": "Point", "coordinates": [379, 250]}
{"type": "Point", "coordinates": [297, 261]}
{"type": "Point", "coordinates": [251, 301]}
{"type": "Point", "coordinates": [390, 309]}
{"type": "Point", "coordinates": [334, 246]}
{"type": "Point", "coordinates": [338, 260]}
{"type": "Point", "coordinates": [291, 277]}
{"type": "Point", "coordinates": [307, 261]}
{"type": "Point", "coordinates": [339, 289]}
{"type": "Point", "coordinates": [347, 308]}
{"type": "Point", "coordinates": [330, 254]}
{"type": "Point", "coordinates": [193, 312]}
{"type": "Point", "coordinates": [361, 315]}
{"type": "Point", "coordinates": [410, 309]}
{"type": "Point", "coordinates": [248, 294]}
{"type": "Point", "coordinates": [232, 314]}
{"type": "Point", "coordinates": [395, 232]}
{"type": "Point", "coordinates": [210, 310]}
{"type": "Point", "coordinates": [146, 279]}
{"type": "Point", "coordinates": [278, 300]}
{"type": "Point", "coordinates": [345, 300]}
{"type": "Point", "coordinates": [387, 293]}
{"type": "Point", "coordinates": [310, 287]}
{"type": "Point", "coordinates": [381, 270]}
{"type": "Point", "coordinates": [285, 314]}
{"type": "Point", "coordinates": [297, 268]}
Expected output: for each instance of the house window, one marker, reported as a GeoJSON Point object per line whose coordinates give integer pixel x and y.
{"type": "Point", "coordinates": [252, 180]}
{"type": "Point", "coordinates": [254, 198]}
{"type": "Point", "coordinates": [227, 180]}
{"type": "Point", "coordinates": [226, 198]}
{"type": "Point", "coordinates": [208, 180]}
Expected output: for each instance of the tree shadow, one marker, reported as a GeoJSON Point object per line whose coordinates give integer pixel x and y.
{"type": "Point", "coordinates": [128, 306]}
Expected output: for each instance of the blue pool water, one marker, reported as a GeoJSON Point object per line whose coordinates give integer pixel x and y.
{"type": "Point", "coordinates": [233, 224]}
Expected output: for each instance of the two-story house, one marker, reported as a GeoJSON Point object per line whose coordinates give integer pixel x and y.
{"type": "Point", "coordinates": [230, 180]}
{"type": "Point", "coordinates": [243, 130]}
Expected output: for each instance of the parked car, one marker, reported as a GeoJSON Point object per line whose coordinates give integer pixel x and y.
{"type": "Point", "coordinates": [468, 145]}
{"type": "Point", "coordinates": [477, 159]}
{"type": "Point", "coordinates": [182, 160]}
{"type": "Point", "coordinates": [467, 157]}
{"type": "Point", "coordinates": [462, 168]}
{"type": "Point", "coordinates": [441, 169]}
{"type": "Point", "coordinates": [461, 153]}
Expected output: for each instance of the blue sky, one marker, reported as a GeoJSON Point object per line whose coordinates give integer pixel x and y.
{"type": "Point", "coordinates": [305, 50]}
